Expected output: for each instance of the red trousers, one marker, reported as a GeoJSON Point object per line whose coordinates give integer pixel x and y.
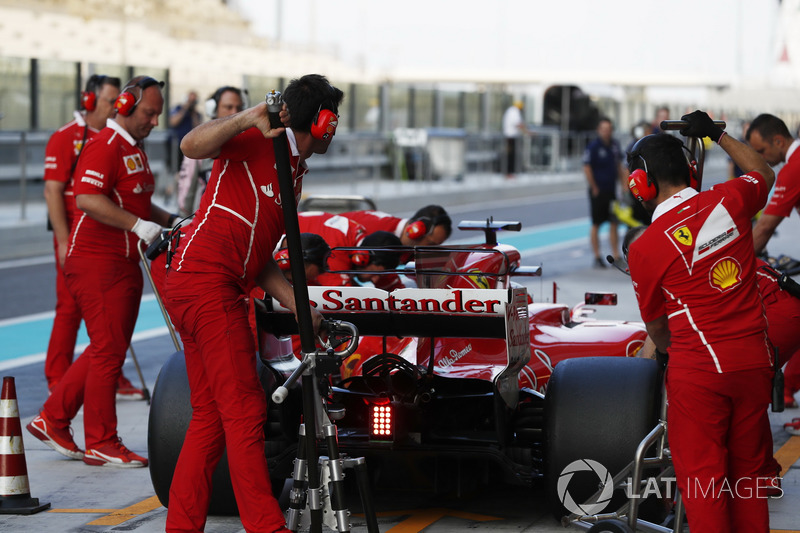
{"type": "Point", "coordinates": [108, 293]}
{"type": "Point", "coordinates": [229, 405]}
{"type": "Point", "coordinates": [783, 316]}
{"type": "Point", "coordinates": [61, 349]}
{"type": "Point", "coordinates": [719, 438]}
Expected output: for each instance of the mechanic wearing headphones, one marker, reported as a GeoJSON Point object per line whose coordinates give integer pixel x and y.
{"type": "Point", "coordinates": [60, 159]}
{"type": "Point", "coordinates": [193, 173]}
{"type": "Point", "coordinates": [372, 262]}
{"type": "Point", "coordinates": [113, 189]}
{"type": "Point", "coordinates": [223, 254]}
{"type": "Point", "coordinates": [693, 271]}
{"type": "Point", "coordinates": [337, 231]}
{"type": "Point", "coordinates": [430, 226]}
{"type": "Point", "coordinates": [316, 254]}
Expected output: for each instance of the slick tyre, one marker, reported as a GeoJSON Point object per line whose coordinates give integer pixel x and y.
{"type": "Point", "coordinates": [170, 413]}
{"type": "Point", "coordinates": [597, 410]}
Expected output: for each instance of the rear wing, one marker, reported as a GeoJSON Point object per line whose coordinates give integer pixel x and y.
{"type": "Point", "coordinates": [470, 313]}
{"type": "Point", "coordinates": [478, 313]}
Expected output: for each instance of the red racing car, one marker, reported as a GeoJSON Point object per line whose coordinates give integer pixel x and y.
{"type": "Point", "coordinates": [462, 362]}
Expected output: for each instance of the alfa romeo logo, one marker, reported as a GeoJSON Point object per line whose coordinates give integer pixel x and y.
{"type": "Point", "coordinates": [585, 465]}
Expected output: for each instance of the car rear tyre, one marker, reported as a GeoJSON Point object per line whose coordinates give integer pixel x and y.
{"type": "Point", "coordinates": [597, 411]}
{"type": "Point", "coordinates": [170, 413]}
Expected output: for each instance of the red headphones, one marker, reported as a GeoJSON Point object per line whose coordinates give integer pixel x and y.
{"type": "Point", "coordinates": [89, 96]}
{"type": "Point", "coordinates": [88, 100]}
{"type": "Point", "coordinates": [418, 228]}
{"type": "Point", "coordinates": [282, 258]}
{"type": "Point", "coordinates": [324, 124]}
{"type": "Point", "coordinates": [127, 101]}
{"type": "Point", "coordinates": [360, 259]}
{"type": "Point", "coordinates": [642, 187]}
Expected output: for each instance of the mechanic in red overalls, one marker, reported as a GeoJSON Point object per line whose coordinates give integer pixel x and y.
{"type": "Point", "coordinates": [769, 136]}
{"type": "Point", "coordinates": [430, 225]}
{"type": "Point", "coordinates": [337, 231]}
{"type": "Point", "coordinates": [223, 254]}
{"type": "Point", "coordinates": [60, 159]}
{"type": "Point", "coordinates": [693, 271]}
{"type": "Point", "coordinates": [113, 188]}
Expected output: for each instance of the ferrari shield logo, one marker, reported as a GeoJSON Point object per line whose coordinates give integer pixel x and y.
{"type": "Point", "coordinates": [683, 236]}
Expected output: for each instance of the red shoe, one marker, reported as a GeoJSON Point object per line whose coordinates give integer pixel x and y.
{"type": "Point", "coordinates": [126, 390]}
{"type": "Point", "coordinates": [793, 427]}
{"type": "Point", "coordinates": [58, 439]}
{"type": "Point", "coordinates": [113, 454]}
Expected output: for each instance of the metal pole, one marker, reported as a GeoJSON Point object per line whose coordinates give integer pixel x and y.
{"type": "Point", "coordinates": [145, 391]}
{"type": "Point", "coordinates": [304, 321]}
{"type": "Point", "coordinates": [23, 175]}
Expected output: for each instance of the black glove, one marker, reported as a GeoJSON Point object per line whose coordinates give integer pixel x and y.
{"type": "Point", "coordinates": [701, 125]}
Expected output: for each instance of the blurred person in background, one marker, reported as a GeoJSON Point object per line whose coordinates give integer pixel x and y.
{"type": "Point", "coordinates": [193, 174]}
{"type": "Point", "coordinates": [514, 128]}
{"type": "Point", "coordinates": [603, 168]}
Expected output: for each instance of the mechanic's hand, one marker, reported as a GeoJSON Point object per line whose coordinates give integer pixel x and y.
{"type": "Point", "coordinates": [260, 116]}
{"type": "Point", "coordinates": [701, 125]}
{"type": "Point", "coordinates": [146, 230]}
{"type": "Point", "coordinates": [317, 319]}
{"type": "Point", "coordinates": [62, 254]}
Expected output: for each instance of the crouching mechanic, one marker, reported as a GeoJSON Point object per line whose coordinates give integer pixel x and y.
{"type": "Point", "coordinates": [694, 273]}
{"type": "Point", "coordinates": [337, 231]}
{"type": "Point", "coordinates": [113, 189]}
{"type": "Point", "coordinates": [429, 226]}
{"type": "Point", "coordinates": [223, 254]}
{"type": "Point", "coordinates": [379, 257]}
{"type": "Point", "coordinates": [315, 258]}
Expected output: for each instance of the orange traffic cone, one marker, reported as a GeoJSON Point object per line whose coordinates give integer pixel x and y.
{"type": "Point", "coordinates": [15, 494]}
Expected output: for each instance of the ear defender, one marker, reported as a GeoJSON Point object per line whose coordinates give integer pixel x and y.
{"type": "Point", "coordinates": [359, 258]}
{"type": "Point", "coordinates": [127, 101]}
{"type": "Point", "coordinates": [640, 185]}
{"type": "Point", "coordinates": [418, 228]}
{"type": "Point", "coordinates": [282, 258]}
{"type": "Point", "coordinates": [324, 124]}
{"type": "Point", "coordinates": [89, 100]}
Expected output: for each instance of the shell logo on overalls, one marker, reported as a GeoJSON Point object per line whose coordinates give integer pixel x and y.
{"type": "Point", "coordinates": [725, 274]}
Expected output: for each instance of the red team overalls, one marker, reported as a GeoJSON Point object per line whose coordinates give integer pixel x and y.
{"type": "Point", "coordinates": [337, 231]}
{"type": "Point", "coordinates": [696, 265]}
{"type": "Point", "coordinates": [220, 254]}
{"type": "Point", "coordinates": [60, 158]}
{"type": "Point", "coordinates": [102, 273]}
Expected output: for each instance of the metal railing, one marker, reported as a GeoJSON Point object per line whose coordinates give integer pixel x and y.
{"type": "Point", "coordinates": [406, 154]}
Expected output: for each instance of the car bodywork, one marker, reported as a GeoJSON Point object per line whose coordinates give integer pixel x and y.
{"type": "Point", "coordinates": [461, 361]}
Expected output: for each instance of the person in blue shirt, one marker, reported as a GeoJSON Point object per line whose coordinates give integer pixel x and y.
{"type": "Point", "coordinates": [602, 165]}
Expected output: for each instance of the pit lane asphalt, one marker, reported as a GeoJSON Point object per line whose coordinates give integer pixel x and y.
{"type": "Point", "coordinates": [89, 499]}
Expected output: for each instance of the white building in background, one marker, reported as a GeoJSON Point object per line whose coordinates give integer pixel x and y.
{"type": "Point", "coordinates": [206, 43]}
